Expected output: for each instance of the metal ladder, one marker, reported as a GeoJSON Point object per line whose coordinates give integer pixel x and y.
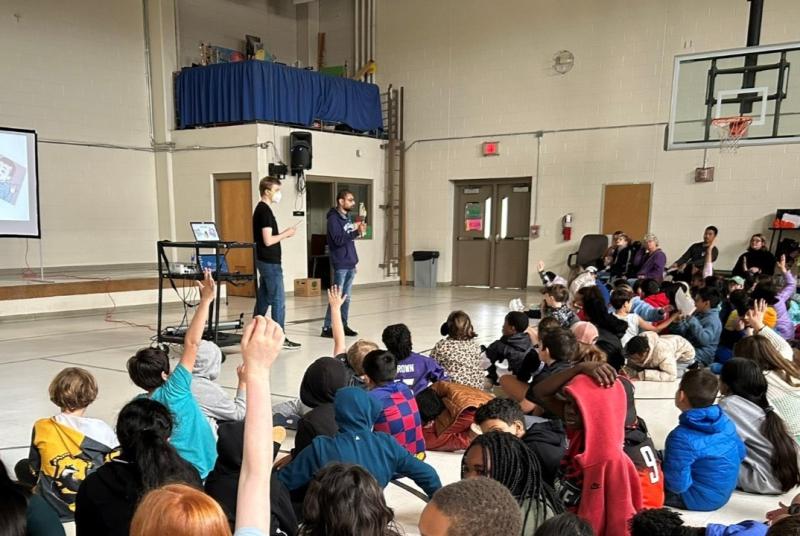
{"type": "Point", "coordinates": [394, 251]}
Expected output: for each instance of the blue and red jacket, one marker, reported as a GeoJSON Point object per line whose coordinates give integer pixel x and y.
{"type": "Point", "coordinates": [400, 416]}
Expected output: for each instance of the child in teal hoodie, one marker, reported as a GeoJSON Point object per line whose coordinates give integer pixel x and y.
{"type": "Point", "coordinates": [355, 442]}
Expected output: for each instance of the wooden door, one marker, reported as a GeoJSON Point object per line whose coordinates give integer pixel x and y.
{"type": "Point", "coordinates": [234, 199]}
{"type": "Point", "coordinates": [626, 208]}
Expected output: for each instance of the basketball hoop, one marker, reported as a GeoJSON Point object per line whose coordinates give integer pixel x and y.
{"type": "Point", "coordinates": [731, 130]}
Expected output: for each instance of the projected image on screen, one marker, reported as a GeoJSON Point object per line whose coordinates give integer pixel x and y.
{"type": "Point", "coordinates": [19, 203]}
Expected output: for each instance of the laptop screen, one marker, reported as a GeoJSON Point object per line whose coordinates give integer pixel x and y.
{"type": "Point", "coordinates": [210, 261]}
{"type": "Point", "coordinates": [205, 231]}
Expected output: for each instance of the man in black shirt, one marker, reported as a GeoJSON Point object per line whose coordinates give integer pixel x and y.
{"type": "Point", "coordinates": [693, 259]}
{"type": "Point", "coordinates": [270, 291]}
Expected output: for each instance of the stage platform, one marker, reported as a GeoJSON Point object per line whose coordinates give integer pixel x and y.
{"type": "Point", "coordinates": [81, 289]}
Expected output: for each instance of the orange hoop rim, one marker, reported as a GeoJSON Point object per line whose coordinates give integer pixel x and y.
{"type": "Point", "coordinates": [736, 125]}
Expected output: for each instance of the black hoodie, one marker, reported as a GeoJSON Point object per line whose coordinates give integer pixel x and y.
{"type": "Point", "coordinates": [107, 499]}
{"type": "Point", "coordinates": [320, 382]}
{"type": "Point", "coordinates": [223, 482]}
{"type": "Point", "coordinates": [548, 441]}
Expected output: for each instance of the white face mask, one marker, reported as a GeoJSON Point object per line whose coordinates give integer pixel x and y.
{"type": "Point", "coordinates": [276, 197]}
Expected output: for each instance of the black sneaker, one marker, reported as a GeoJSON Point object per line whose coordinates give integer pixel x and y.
{"type": "Point", "coordinates": [289, 345]}
{"type": "Point", "coordinates": [349, 332]}
{"type": "Point", "coordinates": [326, 333]}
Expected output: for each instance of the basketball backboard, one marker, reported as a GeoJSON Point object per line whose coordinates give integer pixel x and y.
{"type": "Point", "coordinates": [756, 82]}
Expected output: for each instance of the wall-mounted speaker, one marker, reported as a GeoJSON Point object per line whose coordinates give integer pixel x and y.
{"type": "Point", "coordinates": [300, 154]}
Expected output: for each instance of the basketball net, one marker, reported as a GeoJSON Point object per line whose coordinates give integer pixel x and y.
{"type": "Point", "coordinates": [731, 130]}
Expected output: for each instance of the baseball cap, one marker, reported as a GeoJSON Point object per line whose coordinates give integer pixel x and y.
{"type": "Point", "coordinates": [739, 280]}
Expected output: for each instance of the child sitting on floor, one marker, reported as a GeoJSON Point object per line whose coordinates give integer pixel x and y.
{"type": "Point", "coordinates": [703, 454]}
{"type": "Point", "coordinates": [214, 402]}
{"type": "Point", "coordinates": [447, 411]}
{"type": "Point", "coordinates": [357, 442]}
{"type": "Point", "coordinates": [290, 412]}
{"type": "Point", "coordinates": [597, 481]}
{"type": "Point", "coordinates": [638, 445]}
{"type": "Point", "coordinates": [458, 353]}
{"type": "Point", "coordinates": [703, 328]}
{"type": "Point", "coordinates": [621, 299]}
{"type": "Point", "coordinates": [149, 369]}
{"type": "Point", "coordinates": [68, 447]}
{"type": "Point", "coordinates": [544, 437]}
{"type": "Point", "coordinates": [512, 347]}
{"type": "Point", "coordinates": [505, 458]}
{"type": "Point", "coordinates": [555, 304]}
{"type": "Point", "coordinates": [399, 416]}
{"type": "Point", "coordinates": [415, 370]}
{"type": "Point", "coordinates": [353, 358]}
{"type": "Point", "coordinates": [771, 464]}
{"type": "Point", "coordinates": [657, 358]}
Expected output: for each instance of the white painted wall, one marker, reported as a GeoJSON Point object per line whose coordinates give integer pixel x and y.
{"type": "Point", "coordinates": [466, 73]}
{"type": "Point", "coordinates": [334, 156]}
{"type": "Point", "coordinates": [226, 22]}
{"type": "Point", "coordinates": [336, 20]}
{"type": "Point", "coordinates": [77, 73]}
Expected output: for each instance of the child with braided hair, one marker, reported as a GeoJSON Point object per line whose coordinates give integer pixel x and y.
{"type": "Point", "coordinates": [505, 458]}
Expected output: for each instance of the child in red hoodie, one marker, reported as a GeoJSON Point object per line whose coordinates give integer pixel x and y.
{"type": "Point", "coordinates": [598, 481]}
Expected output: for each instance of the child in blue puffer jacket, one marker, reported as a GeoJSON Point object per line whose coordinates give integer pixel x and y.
{"type": "Point", "coordinates": [703, 454]}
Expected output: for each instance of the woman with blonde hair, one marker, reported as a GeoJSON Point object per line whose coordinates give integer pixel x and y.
{"type": "Point", "coordinates": [783, 379]}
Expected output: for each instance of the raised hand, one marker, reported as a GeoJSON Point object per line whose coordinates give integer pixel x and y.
{"type": "Point", "coordinates": [262, 341]}
{"type": "Point", "coordinates": [782, 264]}
{"type": "Point", "coordinates": [754, 317]}
{"type": "Point", "coordinates": [540, 266]}
{"type": "Point", "coordinates": [208, 287]}
{"type": "Point", "coordinates": [241, 373]}
{"type": "Point", "coordinates": [335, 297]}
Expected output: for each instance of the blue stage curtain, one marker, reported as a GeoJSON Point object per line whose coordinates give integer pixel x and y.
{"type": "Point", "coordinates": [263, 91]}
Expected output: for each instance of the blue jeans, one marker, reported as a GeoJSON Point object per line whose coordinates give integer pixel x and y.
{"type": "Point", "coordinates": [344, 280]}
{"type": "Point", "coordinates": [270, 292]}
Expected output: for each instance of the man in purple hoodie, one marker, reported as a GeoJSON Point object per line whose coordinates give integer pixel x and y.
{"type": "Point", "coordinates": [341, 244]}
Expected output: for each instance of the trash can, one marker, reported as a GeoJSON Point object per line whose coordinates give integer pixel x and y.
{"type": "Point", "coordinates": [425, 263]}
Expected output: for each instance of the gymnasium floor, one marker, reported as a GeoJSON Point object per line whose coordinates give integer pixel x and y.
{"type": "Point", "coordinates": [34, 350]}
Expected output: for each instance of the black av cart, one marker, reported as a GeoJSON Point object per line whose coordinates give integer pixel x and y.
{"type": "Point", "coordinates": [201, 255]}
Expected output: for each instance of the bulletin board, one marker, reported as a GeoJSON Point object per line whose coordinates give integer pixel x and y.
{"type": "Point", "coordinates": [626, 207]}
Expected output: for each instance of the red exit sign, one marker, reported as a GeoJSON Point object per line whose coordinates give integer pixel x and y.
{"type": "Point", "coordinates": [491, 148]}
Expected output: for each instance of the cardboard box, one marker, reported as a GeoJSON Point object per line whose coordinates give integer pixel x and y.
{"type": "Point", "coordinates": [307, 288]}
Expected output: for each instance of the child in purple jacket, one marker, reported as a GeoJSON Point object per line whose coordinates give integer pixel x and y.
{"type": "Point", "coordinates": [415, 370]}
{"type": "Point", "coordinates": [785, 327]}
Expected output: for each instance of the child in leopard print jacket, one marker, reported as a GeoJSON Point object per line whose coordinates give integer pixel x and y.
{"type": "Point", "coordinates": [458, 353]}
